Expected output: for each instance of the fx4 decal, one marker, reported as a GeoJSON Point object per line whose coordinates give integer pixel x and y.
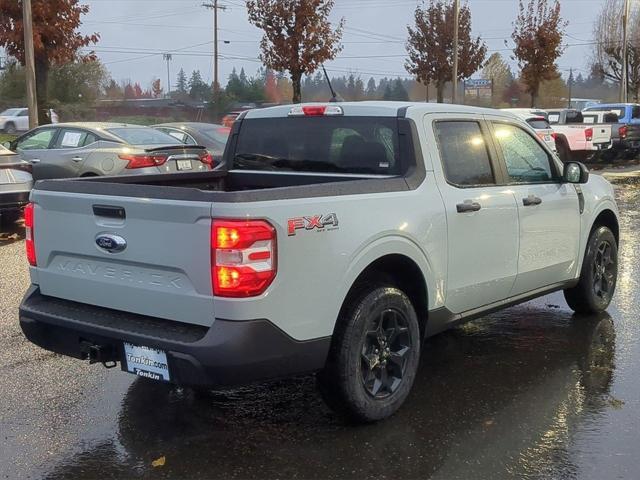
{"type": "Point", "coordinates": [315, 222]}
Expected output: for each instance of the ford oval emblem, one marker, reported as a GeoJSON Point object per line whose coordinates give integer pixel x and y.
{"type": "Point", "coordinates": [111, 243]}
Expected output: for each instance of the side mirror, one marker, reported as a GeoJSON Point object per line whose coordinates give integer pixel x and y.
{"type": "Point", "coordinates": [7, 145]}
{"type": "Point", "coordinates": [575, 172]}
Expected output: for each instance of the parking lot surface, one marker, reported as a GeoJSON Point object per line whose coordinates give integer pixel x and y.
{"type": "Point", "coordinates": [530, 392]}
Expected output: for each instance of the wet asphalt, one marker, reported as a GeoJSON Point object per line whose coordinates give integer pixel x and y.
{"type": "Point", "coordinates": [529, 392]}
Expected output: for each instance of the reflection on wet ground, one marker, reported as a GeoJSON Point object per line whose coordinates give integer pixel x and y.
{"type": "Point", "coordinates": [530, 392]}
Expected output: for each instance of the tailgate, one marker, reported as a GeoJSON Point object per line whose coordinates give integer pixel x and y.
{"type": "Point", "coordinates": [601, 134]}
{"type": "Point", "coordinates": [163, 271]}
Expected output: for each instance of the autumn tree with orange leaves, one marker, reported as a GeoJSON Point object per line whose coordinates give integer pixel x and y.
{"type": "Point", "coordinates": [55, 38]}
{"type": "Point", "coordinates": [430, 45]}
{"type": "Point", "coordinates": [298, 36]}
{"type": "Point", "coordinates": [538, 34]}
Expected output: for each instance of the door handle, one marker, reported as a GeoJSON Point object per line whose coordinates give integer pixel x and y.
{"type": "Point", "coordinates": [35, 160]}
{"type": "Point", "coordinates": [468, 207]}
{"type": "Point", "coordinates": [531, 201]}
{"type": "Point", "coordinates": [76, 159]}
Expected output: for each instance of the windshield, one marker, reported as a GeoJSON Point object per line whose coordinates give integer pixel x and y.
{"type": "Point", "coordinates": [142, 136]}
{"type": "Point", "coordinates": [366, 145]}
{"type": "Point", "coordinates": [10, 112]}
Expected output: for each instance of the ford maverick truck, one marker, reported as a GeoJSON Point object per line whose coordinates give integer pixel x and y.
{"type": "Point", "coordinates": [336, 238]}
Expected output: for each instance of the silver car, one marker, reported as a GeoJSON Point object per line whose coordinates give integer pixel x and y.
{"type": "Point", "coordinates": [91, 149]}
{"type": "Point", "coordinates": [15, 183]}
{"type": "Point", "coordinates": [209, 135]}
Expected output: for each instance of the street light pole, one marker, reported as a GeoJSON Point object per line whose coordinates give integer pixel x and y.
{"type": "Point", "coordinates": [29, 63]}
{"type": "Point", "coordinates": [456, 21]}
{"type": "Point", "coordinates": [625, 55]}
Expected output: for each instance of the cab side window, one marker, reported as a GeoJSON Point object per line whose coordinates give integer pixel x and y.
{"type": "Point", "coordinates": [526, 160]}
{"type": "Point", "coordinates": [36, 140]}
{"type": "Point", "coordinates": [72, 138]}
{"type": "Point", "coordinates": [464, 153]}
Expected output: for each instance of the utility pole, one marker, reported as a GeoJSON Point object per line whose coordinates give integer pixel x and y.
{"type": "Point", "coordinates": [29, 63]}
{"type": "Point", "coordinates": [215, 7]}
{"type": "Point", "coordinates": [625, 55]}
{"type": "Point", "coordinates": [570, 82]}
{"type": "Point", "coordinates": [168, 57]}
{"type": "Point", "coordinates": [456, 21]}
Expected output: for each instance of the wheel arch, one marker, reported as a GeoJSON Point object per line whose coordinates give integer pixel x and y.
{"type": "Point", "coordinates": [400, 262]}
{"type": "Point", "coordinates": [607, 218]}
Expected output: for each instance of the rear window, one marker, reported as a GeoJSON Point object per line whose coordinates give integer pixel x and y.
{"type": "Point", "coordinates": [590, 118]}
{"type": "Point", "coordinates": [219, 134]}
{"type": "Point", "coordinates": [554, 118]}
{"type": "Point", "coordinates": [365, 145]}
{"type": "Point", "coordinates": [142, 136]}
{"type": "Point", "coordinates": [539, 123]}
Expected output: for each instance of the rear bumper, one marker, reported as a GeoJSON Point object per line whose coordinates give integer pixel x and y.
{"type": "Point", "coordinates": [596, 147]}
{"type": "Point", "coordinates": [226, 354]}
{"type": "Point", "coordinates": [13, 199]}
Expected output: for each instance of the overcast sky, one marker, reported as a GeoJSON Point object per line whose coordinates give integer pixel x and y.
{"type": "Point", "coordinates": [134, 33]}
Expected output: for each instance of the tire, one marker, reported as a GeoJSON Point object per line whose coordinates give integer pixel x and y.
{"type": "Point", "coordinates": [10, 128]}
{"type": "Point", "coordinates": [374, 355]}
{"type": "Point", "coordinates": [630, 154]}
{"type": "Point", "coordinates": [599, 274]}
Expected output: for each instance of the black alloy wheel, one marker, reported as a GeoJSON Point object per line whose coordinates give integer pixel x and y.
{"type": "Point", "coordinates": [385, 351]}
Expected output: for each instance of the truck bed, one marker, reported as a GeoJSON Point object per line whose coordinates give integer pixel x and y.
{"type": "Point", "coordinates": [232, 186]}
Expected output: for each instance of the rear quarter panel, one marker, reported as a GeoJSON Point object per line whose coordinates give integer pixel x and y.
{"type": "Point", "coordinates": [316, 268]}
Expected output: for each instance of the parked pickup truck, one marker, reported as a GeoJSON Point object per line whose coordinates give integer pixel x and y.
{"type": "Point", "coordinates": [627, 112]}
{"type": "Point", "coordinates": [337, 238]}
{"type": "Point", "coordinates": [625, 137]}
{"type": "Point", "coordinates": [574, 139]}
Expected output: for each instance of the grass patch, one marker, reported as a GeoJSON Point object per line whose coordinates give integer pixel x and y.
{"type": "Point", "coordinates": [7, 138]}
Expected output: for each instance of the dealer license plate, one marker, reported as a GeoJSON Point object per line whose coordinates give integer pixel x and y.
{"type": "Point", "coordinates": [184, 165]}
{"type": "Point", "coordinates": [146, 362]}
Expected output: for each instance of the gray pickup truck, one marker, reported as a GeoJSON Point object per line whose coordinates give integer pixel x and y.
{"type": "Point", "coordinates": [336, 239]}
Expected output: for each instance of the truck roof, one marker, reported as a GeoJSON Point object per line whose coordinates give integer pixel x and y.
{"type": "Point", "coordinates": [377, 108]}
{"type": "Point", "coordinates": [611, 105]}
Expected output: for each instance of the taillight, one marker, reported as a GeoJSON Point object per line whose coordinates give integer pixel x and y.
{"type": "Point", "coordinates": [554, 135]}
{"type": "Point", "coordinates": [588, 134]}
{"type": "Point", "coordinates": [207, 159]}
{"type": "Point", "coordinates": [243, 257]}
{"type": "Point", "coordinates": [143, 161]}
{"type": "Point", "coordinates": [28, 224]}
{"type": "Point", "coordinates": [623, 130]}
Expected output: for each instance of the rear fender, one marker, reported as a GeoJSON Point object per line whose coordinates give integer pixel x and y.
{"type": "Point", "coordinates": [393, 245]}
